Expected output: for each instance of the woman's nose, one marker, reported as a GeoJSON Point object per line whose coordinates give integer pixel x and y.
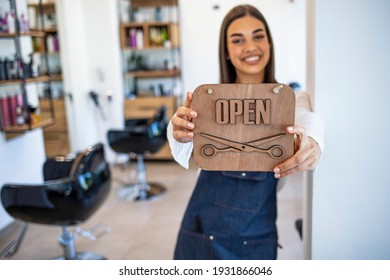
{"type": "Point", "coordinates": [250, 46]}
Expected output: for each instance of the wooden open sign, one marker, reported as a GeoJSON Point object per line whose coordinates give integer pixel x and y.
{"type": "Point", "coordinates": [242, 127]}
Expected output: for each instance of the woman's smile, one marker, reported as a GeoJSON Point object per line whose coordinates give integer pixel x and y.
{"type": "Point", "coordinates": [252, 60]}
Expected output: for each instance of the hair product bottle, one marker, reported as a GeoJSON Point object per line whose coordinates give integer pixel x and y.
{"type": "Point", "coordinates": [19, 110]}
{"type": "Point", "coordinates": [133, 37]}
{"type": "Point", "coordinates": [12, 104]}
{"type": "Point", "coordinates": [4, 108]}
{"type": "Point", "coordinates": [140, 39]}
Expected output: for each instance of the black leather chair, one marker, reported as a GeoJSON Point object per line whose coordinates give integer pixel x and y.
{"type": "Point", "coordinates": [140, 137]}
{"type": "Point", "coordinates": [73, 190]}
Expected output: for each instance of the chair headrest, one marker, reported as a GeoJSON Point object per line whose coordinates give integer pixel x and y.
{"type": "Point", "coordinates": [88, 160]}
{"type": "Point", "coordinates": [160, 114]}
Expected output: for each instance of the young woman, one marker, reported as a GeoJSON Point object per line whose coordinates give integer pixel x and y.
{"type": "Point", "coordinates": [232, 215]}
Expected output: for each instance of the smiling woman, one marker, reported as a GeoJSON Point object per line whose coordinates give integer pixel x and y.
{"type": "Point", "coordinates": [232, 215]}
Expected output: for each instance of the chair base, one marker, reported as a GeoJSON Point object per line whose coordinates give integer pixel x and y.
{"type": "Point", "coordinates": [67, 242]}
{"type": "Point", "coordinates": [137, 192]}
{"type": "Point", "coordinates": [84, 256]}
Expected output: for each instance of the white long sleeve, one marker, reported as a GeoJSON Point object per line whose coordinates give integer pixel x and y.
{"type": "Point", "coordinates": [181, 152]}
{"type": "Point", "coordinates": [311, 121]}
{"type": "Point", "coordinates": [304, 116]}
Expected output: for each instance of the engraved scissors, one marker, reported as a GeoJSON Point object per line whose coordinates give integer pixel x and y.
{"type": "Point", "coordinates": [209, 150]}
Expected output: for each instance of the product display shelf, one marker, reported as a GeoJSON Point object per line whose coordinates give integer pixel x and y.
{"type": "Point", "coordinates": [19, 129]}
{"type": "Point", "coordinates": [149, 38]}
{"type": "Point", "coordinates": [153, 3]}
{"type": "Point", "coordinates": [45, 6]}
{"type": "Point", "coordinates": [153, 73]}
{"type": "Point", "coordinates": [147, 35]}
{"type": "Point", "coordinates": [7, 35]}
{"type": "Point", "coordinates": [30, 120]}
{"type": "Point", "coordinates": [56, 137]}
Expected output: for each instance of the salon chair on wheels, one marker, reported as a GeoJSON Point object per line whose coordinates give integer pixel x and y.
{"type": "Point", "coordinates": [140, 137]}
{"type": "Point", "coordinates": [73, 190]}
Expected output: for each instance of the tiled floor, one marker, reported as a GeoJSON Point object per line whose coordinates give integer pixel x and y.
{"type": "Point", "coordinates": [147, 230]}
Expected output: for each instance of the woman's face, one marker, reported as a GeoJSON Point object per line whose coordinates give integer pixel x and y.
{"type": "Point", "coordinates": [248, 49]}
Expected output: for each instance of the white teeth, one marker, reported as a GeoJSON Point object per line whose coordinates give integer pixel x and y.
{"type": "Point", "coordinates": [252, 58]}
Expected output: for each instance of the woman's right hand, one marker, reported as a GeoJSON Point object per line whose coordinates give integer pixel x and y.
{"type": "Point", "coordinates": [182, 121]}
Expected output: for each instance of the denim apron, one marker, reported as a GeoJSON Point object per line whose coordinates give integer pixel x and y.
{"type": "Point", "coordinates": [231, 215]}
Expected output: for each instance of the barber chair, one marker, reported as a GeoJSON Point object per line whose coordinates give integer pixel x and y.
{"type": "Point", "coordinates": [73, 190]}
{"type": "Point", "coordinates": [140, 137]}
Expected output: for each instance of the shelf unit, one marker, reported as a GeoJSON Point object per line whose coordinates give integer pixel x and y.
{"type": "Point", "coordinates": [56, 137]}
{"type": "Point", "coordinates": [153, 73]}
{"type": "Point", "coordinates": [17, 115]}
{"type": "Point", "coordinates": [147, 29]}
{"type": "Point", "coordinates": [44, 46]}
{"type": "Point", "coordinates": [40, 79]}
{"type": "Point", "coordinates": [30, 34]}
{"type": "Point", "coordinates": [149, 34]}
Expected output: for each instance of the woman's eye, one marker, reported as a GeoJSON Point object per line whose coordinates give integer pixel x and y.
{"type": "Point", "coordinates": [237, 41]}
{"type": "Point", "coordinates": [258, 37]}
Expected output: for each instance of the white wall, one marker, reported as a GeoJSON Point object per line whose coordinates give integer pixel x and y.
{"type": "Point", "coordinates": [351, 209]}
{"type": "Point", "coordinates": [91, 61]}
{"type": "Point", "coordinates": [200, 24]}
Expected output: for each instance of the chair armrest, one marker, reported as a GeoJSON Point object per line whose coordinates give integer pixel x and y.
{"type": "Point", "coordinates": [35, 195]}
{"type": "Point", "coordinates": [25, 196]}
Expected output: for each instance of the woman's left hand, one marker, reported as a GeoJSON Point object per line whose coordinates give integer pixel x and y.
{"type": "Point", "coordinates": [306, 156]}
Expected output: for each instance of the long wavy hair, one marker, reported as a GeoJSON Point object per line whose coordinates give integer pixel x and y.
{"type": "Point", "coordinates": [227, 70]}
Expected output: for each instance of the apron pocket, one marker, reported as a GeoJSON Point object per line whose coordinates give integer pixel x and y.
{"type": "Point", "coordinates": [260, 249]}
{"type": "Point", "coordinates": [245, 191]}
{"type": "Point", "coordinates": [257, 176]}
{"type": "Point", "coordinates": [196, 246]}
{"type": "Point", "coordinates": [193, 246]}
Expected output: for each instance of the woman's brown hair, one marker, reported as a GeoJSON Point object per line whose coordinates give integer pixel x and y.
{"type": "Point", "coordinates": [227, 70]}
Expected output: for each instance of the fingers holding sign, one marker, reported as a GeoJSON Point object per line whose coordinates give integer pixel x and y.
{"type": "Point", "coordinates": [307, 154]}
{"type": "Point", "coordinates": [182, 121]}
